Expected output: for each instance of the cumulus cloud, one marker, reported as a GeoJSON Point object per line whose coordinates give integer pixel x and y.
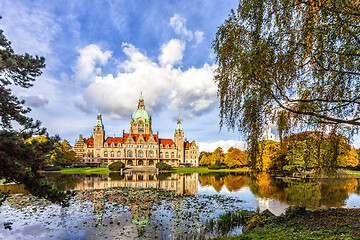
{"type": "Point", "coordinates": [89, 58]}
{"type": "Point", "coordinates": [172, 52]}
{"type": "Point", "coordinates": [35, 101]}
{"type": "Point", "coordinates": [225, 145]}
{"type": "Point", "coordinates": [190, 91]}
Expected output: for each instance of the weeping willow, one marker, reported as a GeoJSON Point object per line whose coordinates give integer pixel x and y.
{"type": "Point", "coordinates": [289, 62]}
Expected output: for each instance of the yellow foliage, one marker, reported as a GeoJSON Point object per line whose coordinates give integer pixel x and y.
{"type": "Point", "coordinates": [235, 157]}
{"type": "Point", "coordinates": [38, 139]}
{"type": "Point", "coordinates": [350, 159]}
{"type": "Point", "coordinates": [268, 153]}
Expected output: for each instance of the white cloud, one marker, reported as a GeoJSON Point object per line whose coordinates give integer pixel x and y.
{"type": "Point", "coordinates": [191, 91]}
{"type": "Point", "coordinates": [172, 52]}
{"type": "Point", "coordinates": [179, 25]}
{"type": "Point", "coordinates": [225, 145]}
{"type": "Point", "coordinates": [89, 57]}
{"type": "Point", "coordinates": [199, 37]}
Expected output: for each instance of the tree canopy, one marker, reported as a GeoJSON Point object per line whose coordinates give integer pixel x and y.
{"type": "Point", "coordinates": [291, 62]}
{"type": "Point", "coordinates": [21, 159]}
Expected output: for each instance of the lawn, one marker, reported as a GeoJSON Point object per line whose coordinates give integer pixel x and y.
{"type": "Point", "coordinates": [86, 170]}
{"type": "Point", "coordinates": [206, 170]}
{"type": "Point", "coordinates": [356, 173]}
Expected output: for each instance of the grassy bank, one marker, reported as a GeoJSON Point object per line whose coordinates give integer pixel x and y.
{"type": "Point", "coordinates": [355, 173]}
{"type": "Point", "coordinates": [89, 170]}
{"type": "Point", "coordinates": [86, 170]}
{"type": "Point", "coordinates": [336, 223]}
{"type": "Point", "coordinates": [206, 170]}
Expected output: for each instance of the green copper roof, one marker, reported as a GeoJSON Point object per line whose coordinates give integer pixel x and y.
{"type": "Point", "coordinates": [141, 113]}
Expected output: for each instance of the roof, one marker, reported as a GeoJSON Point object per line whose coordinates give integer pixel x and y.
{"type": "Point", "coordinates": [136, 137]}
{"type": "Point", "coordinates": [90, 142]}
{"type": "Point", "coordinates": [141, 113]}
{"type": "Point", "coordinates": [165, 141]}
{"type": "Point", "coordinates": [115, 140]}
{"type": "Point", "coordinates": [186, 145]}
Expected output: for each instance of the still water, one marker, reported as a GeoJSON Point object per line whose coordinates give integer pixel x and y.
{"type": "Point", "coordinates": [165, 206]}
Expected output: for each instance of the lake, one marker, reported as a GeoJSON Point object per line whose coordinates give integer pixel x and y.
{"type": "Point", "coordinates": [165, 206]}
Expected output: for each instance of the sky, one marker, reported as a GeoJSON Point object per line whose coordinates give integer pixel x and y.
{"type": "Point", "coordinates": [100, 55]}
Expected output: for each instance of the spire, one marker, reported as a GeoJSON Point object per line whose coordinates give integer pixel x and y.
{"type": "Point", "coordinates": [141, 104]}
{"type": "Point", "coordinates": [99, 120]}
{"type": "Point", "coordinates": [179, 127]}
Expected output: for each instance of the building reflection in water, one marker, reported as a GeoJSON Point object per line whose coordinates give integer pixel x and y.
{"type": "Point", "coordinates": [179, 183]}
{"type": "Point", "coordinates": [138, 195]}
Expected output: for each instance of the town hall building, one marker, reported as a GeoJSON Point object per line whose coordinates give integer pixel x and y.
{"type": "Point", "coordinates": [139, 147]}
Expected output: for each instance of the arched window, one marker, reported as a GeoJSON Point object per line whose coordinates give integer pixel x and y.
{"type": "Point", "coordinates": [112, 154]}
{"type": "Point", "coordinates": [167, 155]}
{"type": "Point", "coordinates": [151, 154]}
{"type": "Point", "coordinates": [119, 154]}
{"type": "Point", "coordinates": [167, 145]}
{"type": "Point", "coordinates": [161, 154]}
{"type": "Point", "coordinates": [105, 154]}
{"type": "Point", "coordinates": [172, 155]}
{"type": "Point", "coordinates": [140, 154]}
{"type": "Point", "coordinates": [129, 153]}
{"type": "Point", "coordinates": [112, 145]}
{"type": "Point", "coordinates": [106, 144]}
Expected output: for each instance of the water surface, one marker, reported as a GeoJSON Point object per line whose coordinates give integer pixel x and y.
{"type": "Point", "coordinates": [166, 206]}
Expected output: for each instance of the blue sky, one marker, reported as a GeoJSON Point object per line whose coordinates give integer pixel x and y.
{"type": "Point", "coordinates": [102, 54]}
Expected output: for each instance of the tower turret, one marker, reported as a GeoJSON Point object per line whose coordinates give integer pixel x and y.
{"type": "Point", "coordinates": [99, 132]}
{"type": "Point", "coordinates": [179, 140]}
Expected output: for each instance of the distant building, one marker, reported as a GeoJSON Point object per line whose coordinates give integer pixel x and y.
{"type": "Point", "coordinates": [268, 135]}
{"type": "Point", "coordinates": [139, 147]}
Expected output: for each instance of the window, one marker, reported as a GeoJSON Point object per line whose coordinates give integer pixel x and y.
{"type": "Point", "coordinates": [105, 154]}
{"type": "Point", "coordinates": [151, 154]}
{"type": "Point", "coordinates": [98, 155]}
{"type": "Point", "coordinates": [140, 154]}
{"type": "Point", "coordinates": [112, 154]}
{"type": "Point", "coordinates": [161, 154]}
{"type": "Point", "coordinates": [119, 154]}
{"type": "Point", "coordinates": [172, 155]}
{"type": "Point", "coordinates": [141, 126]}
{"type": "Point", "coordinates": [167, 155]}
{"type": "Point", "coordinates": [129, 153]}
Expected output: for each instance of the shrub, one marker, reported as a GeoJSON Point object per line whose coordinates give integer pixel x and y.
{"type": "Point", "coordinates": [116, 166]}
{"type": "Point", "coordinates": [214, 166]}
{"type": "Point", "coordinates": [55, 168]}
{"type": "Point", "coordinates": [163, 166]}
{"type": "Point", "coordinates": [116, 176]}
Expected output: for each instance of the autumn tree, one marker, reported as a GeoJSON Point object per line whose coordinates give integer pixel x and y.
{"type": "Point", "coordinates": [20, 160]}
{"type": "Point", "coordinates": [292, 62]}
{"type": "Point", "coordinates": [268, 153]}
{"type": "Point", "coordinates": [62, 155]}
{"type": "Point", "coordinates": [235, 157]}
{"type": "Point", "coordinates": [217, 157]}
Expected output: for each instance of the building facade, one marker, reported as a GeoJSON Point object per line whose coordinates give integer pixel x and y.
{"type": "Point", "coordinates": [139, 147]}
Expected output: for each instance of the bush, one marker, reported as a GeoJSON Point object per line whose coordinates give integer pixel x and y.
{"type": "Point", "coordinates": [55, 168]}
{"type": "Point", "coordinates": [116, 166]}
{"type": "Point", "coordinates": [163, 166]}
{"type": "Point", "coordinates": [214, 166]}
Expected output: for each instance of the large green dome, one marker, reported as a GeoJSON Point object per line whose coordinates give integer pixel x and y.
{"type": "Point", "coordinates": [141, 113]}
